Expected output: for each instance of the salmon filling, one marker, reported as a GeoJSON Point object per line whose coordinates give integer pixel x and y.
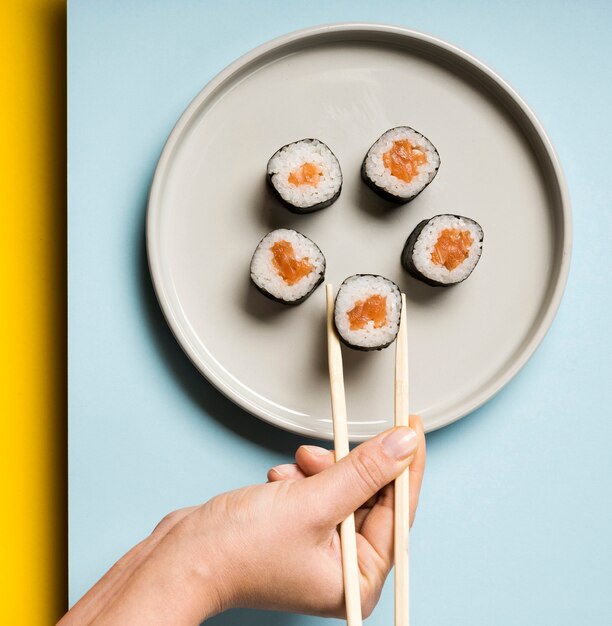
{"type": "Point", "coordinates": [403, 160]}
{"type": "Point", "coordinates": [374, 309]}
{"type": "Point", "coordinates": [288, 267]}
{"type": "Point", "coordinates": [306, 174]}
{"type": "Point", "coordinates": [452, 248]}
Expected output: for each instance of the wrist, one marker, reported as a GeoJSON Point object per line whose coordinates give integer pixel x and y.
{"type": "Point", "coordinates": [197, 580]}
{"type": "Point", "coordinates": [176, 585]}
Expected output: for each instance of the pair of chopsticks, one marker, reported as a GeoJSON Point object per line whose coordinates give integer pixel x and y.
{"type": "Point", "coordinates": [348, 541]}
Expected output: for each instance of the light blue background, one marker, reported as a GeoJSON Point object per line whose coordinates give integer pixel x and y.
{"type": "Point", "coordinates": [515, 520]}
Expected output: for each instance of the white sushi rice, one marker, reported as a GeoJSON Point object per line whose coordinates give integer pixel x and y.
{"type": "Point", "coordinates": [426, 241]}
{"type": "Point", "coordinates": [292, 157]}
{"type": "Point", "coordinates": [265, 275]}
{"type": "Point", "coordinates": [359, 288]}
{"type": "Point", "coordinates": [376, 171]}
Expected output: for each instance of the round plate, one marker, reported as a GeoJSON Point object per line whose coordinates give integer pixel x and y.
{"type": "Point", "coordinates": [345, 84]}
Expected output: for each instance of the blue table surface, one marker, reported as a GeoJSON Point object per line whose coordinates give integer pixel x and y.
{"type": "Point", "coordinates": [515, 517]}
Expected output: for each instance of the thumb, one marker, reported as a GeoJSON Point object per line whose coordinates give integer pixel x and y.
{"type": "Point", "coordinates": [342, 488]}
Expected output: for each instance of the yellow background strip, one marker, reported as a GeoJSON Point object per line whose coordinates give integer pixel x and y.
{"type": "Point", "coordinates": [33, 311]}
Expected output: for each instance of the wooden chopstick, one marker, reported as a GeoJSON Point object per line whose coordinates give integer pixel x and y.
{"type": "Point", "coordinates": [350, 567]}
{"type": "Point", "coordinates": [402, 483]}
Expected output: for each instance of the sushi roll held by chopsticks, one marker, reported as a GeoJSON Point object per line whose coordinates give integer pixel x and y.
{"type": "Point", "coordinates": [367, 312]}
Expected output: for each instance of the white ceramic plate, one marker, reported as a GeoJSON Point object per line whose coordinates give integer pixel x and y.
{"type": "Point", "coordinates": [346, 84]}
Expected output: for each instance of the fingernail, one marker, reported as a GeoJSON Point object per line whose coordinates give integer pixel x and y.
{"type": "Point", "coordinates": [316, 450]}
{"type": "Point", "coordinates": [283, 470]}
{"type": "Point", "coordinates": [400, 443]}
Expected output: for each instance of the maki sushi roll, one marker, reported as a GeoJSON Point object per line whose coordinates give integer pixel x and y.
{"type": "Point", "coordinates": [367, 311]}
{"type": "Point", "coordinates": [443, 250]}
{"type": "Point", "coordinates": [287, 266]}
{"type": "Point", "coordinates": [400, 164]}
{"type": "Point", "coordinates": [305, 175]}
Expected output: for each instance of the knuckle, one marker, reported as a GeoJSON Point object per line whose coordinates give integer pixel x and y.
{"type": "Point", "coordinates": [171, 518]}
{"type": "Point", "coordinates": [370, 474]}
{"type": "Point", "coordinates": [168, 521]}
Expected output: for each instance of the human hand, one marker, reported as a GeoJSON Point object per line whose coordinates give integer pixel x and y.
{"type": "Point", "coordinates": [373, 519]}
{"type": "Point", "coordinates": [273, 546]}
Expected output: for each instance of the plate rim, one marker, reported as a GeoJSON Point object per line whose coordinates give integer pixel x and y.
{"type": "Point", "coordinates": [154, 207]}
